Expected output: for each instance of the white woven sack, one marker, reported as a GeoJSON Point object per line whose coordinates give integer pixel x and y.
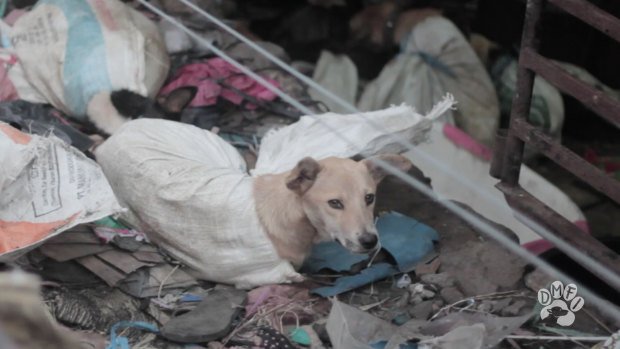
{"type": "Point", "coordinates": [71, 49]}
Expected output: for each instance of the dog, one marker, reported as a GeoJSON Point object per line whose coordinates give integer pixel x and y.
{"type": "Point", "coordinates": [329, 199]}
{"type": "Point", "coordinates": [190, 192]}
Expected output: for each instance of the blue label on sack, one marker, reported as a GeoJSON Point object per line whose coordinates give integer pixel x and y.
{"type": "Point", "coordinates": [85, 71]}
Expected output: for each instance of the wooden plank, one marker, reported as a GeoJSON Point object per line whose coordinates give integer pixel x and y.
{"type": "Point", "coordinates": [67, 252]}
{"type": "Point", "coordinates": [123, 260]}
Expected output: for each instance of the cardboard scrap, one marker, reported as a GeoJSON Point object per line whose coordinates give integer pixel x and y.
{"type": "Point", "coordinates": [123, 261]}
{"type": "Point", "coordinates": [145, 255]}
{"type": "Point", "coordinates": [145, 282]}
{"type": "Point", "coordinates": [67, 252]}
{"type": "Point", "coordinates": [105, 271]}
{"type": "Point", "coordinates": [77, 242]}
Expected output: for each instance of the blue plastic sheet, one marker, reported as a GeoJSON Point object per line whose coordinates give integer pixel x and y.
{"type": "Point", "coordinates": [346, 283]}
{"type": "Point", "coordinates": [406, 239]}
{"type": "Point", "coordinates": [191, 298]}
{"type": "Point", "coordinates": [331, 255]}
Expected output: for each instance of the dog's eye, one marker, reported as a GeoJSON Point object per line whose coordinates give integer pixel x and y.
{"type": "Point", "coordinates": [370, 198]}
{"type": "Point", "coordinates": [337, 204]}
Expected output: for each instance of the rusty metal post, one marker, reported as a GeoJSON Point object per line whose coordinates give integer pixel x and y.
{"type": "Point", "coordinates": [523, 96]}
{"type": "Point", "coordinates": [497, 161]}
{"type": "Point", "coordinates": [557, 226]}
{"type": "Point", "coordinates": [598, 259]}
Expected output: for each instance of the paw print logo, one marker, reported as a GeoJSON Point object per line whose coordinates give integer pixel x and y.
{"type": "Point", "coordinates": [560, 303]}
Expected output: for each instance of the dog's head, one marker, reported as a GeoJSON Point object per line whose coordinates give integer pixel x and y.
{"type": "Point", "coordinates": [338, 197]}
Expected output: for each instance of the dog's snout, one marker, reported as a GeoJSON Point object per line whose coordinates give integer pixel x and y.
{"type": "Point", "coordinates": [368, 241]}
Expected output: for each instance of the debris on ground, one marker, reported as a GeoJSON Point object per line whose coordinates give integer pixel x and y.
{"type": "Point", "coordinates": [132, 251]}
{"type": "Point", "coordinates": [210, 320]}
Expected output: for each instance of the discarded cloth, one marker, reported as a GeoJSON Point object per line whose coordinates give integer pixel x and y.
{"type": "Point", "coordinates": [216, 77]}
{"type": "Point", "coordinates": [190, 192]}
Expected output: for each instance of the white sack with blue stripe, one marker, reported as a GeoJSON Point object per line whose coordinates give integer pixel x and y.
{"type": "Point", "coordinates": [71, 49]}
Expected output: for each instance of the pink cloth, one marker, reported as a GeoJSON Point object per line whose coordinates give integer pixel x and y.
{"type": "Point", "coordinates": [541, 245]}
{"type": "Point", "coordinates": [208, 91]}
{"type": "Point", "coordinates": [7, 89]}
{"type": "Point", "coordinates": [465, 141]}
{"type": "Point", "coordinates": [13, 16]}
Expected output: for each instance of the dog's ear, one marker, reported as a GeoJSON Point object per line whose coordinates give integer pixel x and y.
{"type": "Point", "coordinates": [303, 175]}
{"type": "Point", "coordinates": [378, 173]}
{"type": "Point", "coordinates": [175, 101]}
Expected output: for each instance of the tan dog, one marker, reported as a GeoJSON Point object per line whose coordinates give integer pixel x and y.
{"type": "Point", "coordinates": [330, 199]}
{"type": "Point", "coordinates": [190, 191]}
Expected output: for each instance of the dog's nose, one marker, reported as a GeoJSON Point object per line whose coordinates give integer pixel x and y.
{"type": "Point", "coordinates": [368, 241]}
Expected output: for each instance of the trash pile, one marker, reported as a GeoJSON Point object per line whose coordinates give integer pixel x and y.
{"type": "Point", "coordinates": [130, 150]}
